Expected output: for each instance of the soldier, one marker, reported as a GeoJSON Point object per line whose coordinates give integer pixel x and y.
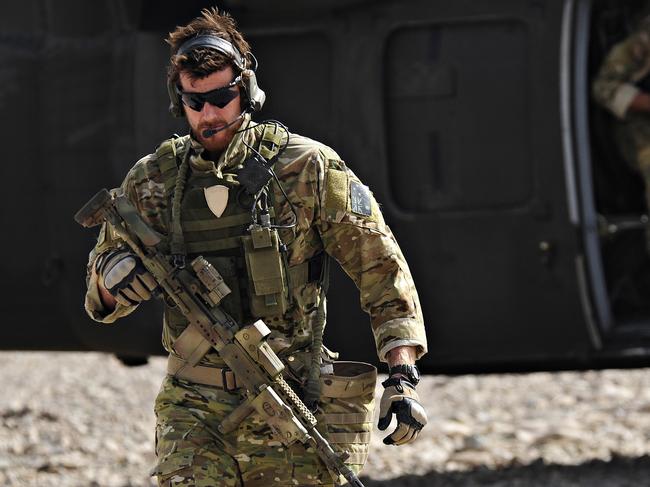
{"type": "Point", "coordinates": [205, 192]}
{"type": "Point", "coordinates": [621, 87]}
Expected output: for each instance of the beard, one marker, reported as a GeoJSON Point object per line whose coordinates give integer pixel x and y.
{"type": "Point", "coordinates": [218, 142]}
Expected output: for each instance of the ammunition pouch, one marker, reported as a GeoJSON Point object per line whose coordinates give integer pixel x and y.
{"type": "Point", "coordinates": [268, 287]}
{"type": "Point", "coordinates": [346, 409]}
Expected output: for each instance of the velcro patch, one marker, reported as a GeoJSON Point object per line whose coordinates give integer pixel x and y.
{"type": "Point", "coordinates": [360, 200]}
{"type": "Point", "coordinates": [336, 196]}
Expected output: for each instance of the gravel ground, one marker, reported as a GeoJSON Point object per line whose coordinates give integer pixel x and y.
{"type": "Point", "coordinates": [73, 419]}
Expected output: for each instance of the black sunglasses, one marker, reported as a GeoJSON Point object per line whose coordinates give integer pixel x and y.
{"type": "Point", "coordinates": [219, 97]}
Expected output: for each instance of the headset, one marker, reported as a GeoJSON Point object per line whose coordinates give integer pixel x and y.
{"type": "Point", "coordinates": [254, 97]}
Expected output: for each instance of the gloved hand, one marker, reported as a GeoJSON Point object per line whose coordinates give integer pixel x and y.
{"type": "Point", "coordinates": [401, 399]}
{"type": "Point", "coordinates": [124, 276]}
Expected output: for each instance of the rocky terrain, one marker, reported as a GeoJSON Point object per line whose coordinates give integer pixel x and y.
{"type": "Point", "coordinates": [73, 419]}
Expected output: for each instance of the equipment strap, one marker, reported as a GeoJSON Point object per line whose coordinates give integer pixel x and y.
{"type": "Point", "coordinates": [217, 223]}
{"type": "Point", "coordinates": [166, 154]}
{"type": "Point", "coordinates": [363, 437]}
{"type": "Point", "coordinates": [223, 378]}
{"type": "Point", "coordinates": [270, 142]}
{"type": "Point", "coordinates": [358, 458]}
{"type": "Point", "coordinates": [178, 248]}
{"type": "Point", "coordinates": [213, 245]}
{"type": "Point", "coordinates": [312, 388]}
{"type": "Point", "coordinates": [348, 418]}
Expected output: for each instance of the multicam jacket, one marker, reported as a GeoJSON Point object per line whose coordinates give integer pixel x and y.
{"type": "Point", "coordinates": [324, 193]}
{"type": "Point", "coordinates": [626, 65]}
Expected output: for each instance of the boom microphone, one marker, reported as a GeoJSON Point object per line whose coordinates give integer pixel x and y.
{"type": "Point", "coordinates": [207, 133]}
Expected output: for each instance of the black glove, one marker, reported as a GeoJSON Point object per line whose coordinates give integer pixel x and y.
{"type": "Point", "coordinates": [124, 276]}
{"type": "Point", "coordinates": [400, 398]}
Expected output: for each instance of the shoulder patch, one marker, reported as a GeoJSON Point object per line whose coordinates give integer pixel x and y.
{"type": "Point", "coordinates": [360, 200]}
{"type": "Point", "coordinates": [336, 187]}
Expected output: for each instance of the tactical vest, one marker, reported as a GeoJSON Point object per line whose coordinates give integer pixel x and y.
{"type": "Point", "coordinates": [248, 263]}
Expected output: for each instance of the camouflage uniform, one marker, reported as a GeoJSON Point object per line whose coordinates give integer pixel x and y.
{"type": "Point", "coordinates": [190, 450]}
{"type": "Point", "coordinates": [625, 68]}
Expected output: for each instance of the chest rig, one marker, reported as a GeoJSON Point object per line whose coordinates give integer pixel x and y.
{"type": "Point", "coordinates": [242, 243]}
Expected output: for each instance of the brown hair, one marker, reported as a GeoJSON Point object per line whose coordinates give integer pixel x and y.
{"type": "Point", "coordinates": [203, 61]}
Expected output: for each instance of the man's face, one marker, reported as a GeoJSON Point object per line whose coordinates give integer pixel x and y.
{"type": "Point", "coordinates": [210, 116]}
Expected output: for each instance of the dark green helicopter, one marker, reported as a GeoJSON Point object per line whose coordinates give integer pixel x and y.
{"type": "Point", "coordinates": [471, 121]}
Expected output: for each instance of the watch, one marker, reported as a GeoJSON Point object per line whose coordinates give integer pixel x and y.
{"type": "Point", "coordinates": [411, 372]}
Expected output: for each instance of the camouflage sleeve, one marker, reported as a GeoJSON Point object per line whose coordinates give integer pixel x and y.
{"type": "Point", "coordinates": [625, 64]}
{"type": "Point", "coordinates": [108, 240]}
{"type": "Point", "coordinates": [353, 231]}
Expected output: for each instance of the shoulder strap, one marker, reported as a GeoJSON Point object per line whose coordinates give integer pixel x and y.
{"type": "Point", "coordinates": [271, 141]}
{"type": "Point", "coordinates": [169, 155]}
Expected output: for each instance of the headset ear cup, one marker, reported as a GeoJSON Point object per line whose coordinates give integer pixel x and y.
{"type": "Point", "coordinates": [175, 107]}
{"type": "Point", "coordinates": [254, 94]}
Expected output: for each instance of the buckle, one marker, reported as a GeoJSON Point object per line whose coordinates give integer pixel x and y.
{"type": "Point", "coordinates": [178, 261]}
{"type": "Point", "coordinates": [228, 386]}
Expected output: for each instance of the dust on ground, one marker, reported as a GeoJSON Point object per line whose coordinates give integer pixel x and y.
{"type": "Point", "coordinates": [84, 419]}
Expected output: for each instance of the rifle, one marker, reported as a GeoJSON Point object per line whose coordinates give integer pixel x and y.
{"type": "Point", "coordinates": [197, 294]}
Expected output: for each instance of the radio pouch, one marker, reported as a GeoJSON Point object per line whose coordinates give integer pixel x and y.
{"type": "Point", "coordinates": [266, 272]}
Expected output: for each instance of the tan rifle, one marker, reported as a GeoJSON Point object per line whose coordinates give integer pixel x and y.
{"type": "Point", "coordinates": [197, 291]}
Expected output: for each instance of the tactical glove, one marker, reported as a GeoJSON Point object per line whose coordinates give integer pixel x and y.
{"type": "Point", "coordinates": [400, 398]}
{"type": "Point", "coordinates": [124, 276]}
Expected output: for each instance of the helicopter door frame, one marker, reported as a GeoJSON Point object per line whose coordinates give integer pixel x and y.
{"type": "Point", "coordinates": [574, 109]}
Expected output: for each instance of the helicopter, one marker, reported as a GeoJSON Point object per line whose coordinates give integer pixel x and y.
{"type": "Point", "coordinates": [472, 123]}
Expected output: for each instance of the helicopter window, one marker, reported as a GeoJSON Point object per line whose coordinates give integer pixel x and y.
{"type": "Point", "coordinates": [445, 86]}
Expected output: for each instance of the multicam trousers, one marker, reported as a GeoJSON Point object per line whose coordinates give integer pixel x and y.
{"type": "Point", "coordinates": [192, 452]}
